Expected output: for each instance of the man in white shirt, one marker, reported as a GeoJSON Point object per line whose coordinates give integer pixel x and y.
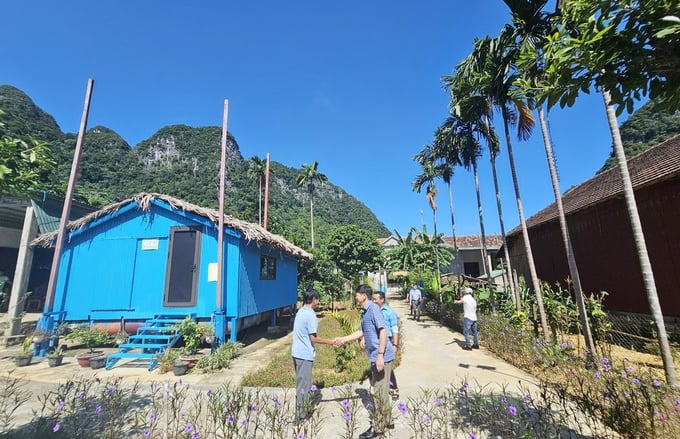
{"type": "Point", "coordinates": [415, 297]}
{"type": "Point", "coordinates": [469, 319]}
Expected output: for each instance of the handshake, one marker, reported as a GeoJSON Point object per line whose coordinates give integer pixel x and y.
{"type": "Point", "coordinates": [338, 341]}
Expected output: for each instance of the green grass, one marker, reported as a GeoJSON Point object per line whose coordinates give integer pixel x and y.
{"type": "Point", "coordinates": [279, 372]}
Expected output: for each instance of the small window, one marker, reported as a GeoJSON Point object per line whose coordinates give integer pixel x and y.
{"type": "Point", "coordinates": [267, 268]}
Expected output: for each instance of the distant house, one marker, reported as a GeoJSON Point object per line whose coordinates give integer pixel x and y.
{"type": "Point", "coordinates": [602, 237]}
{"type": "Point", "coordinates": [157, 255]}
{"type": "Point", "coordinates": [470, 251]}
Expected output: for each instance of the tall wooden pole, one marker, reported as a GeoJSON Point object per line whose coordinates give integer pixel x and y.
{"type": "Point", "coordinates": [66, 211]}
{"type": "Point", "coordinates": [220, 229]}
{"type": "Point", "coordinates": [266, 193]}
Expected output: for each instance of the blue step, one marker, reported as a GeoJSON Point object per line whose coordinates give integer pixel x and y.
{"type": "Point", "coordinates": [150, 342]}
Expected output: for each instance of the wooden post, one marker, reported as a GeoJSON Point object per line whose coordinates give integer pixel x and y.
{"type": "Point", "coordinates": [220, 229]}
{"type": "Point", "coordinates": [266, 193]}
{"type": "Point", "coordinates": [66, 211]}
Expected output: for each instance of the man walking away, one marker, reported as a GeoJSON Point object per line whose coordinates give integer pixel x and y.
{"type": "Point", "coordinates": [469, 318]}
{"type": "Point", "coordinates": [415, 299]}
{"type": "Point", "coordinates": [380, 353]}
{"type": "Point", "coordinates": [303, 350]}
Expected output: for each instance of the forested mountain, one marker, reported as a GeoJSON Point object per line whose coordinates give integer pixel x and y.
{"type": "Point", "coordinates": [183, 162]}
{"type": "Point", "coordinates": [645, 128]}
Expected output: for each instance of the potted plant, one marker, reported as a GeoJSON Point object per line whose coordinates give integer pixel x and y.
{"type": "Point", "coordinates": [91, 337]}
{"type": "Point", "coordinates": [24, 357]}
{"type": "Point", "coordinates": [180, 367]}
{"type": "Point", "coordinates": [55, 357]}
{"type": "Point", "coordinates": [97, 362]}
{"type": "Point", "coordinates": [192, 335]}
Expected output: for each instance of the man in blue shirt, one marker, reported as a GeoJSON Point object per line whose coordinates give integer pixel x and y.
{"type": "Point", "coordinates": [380, 353]}
{"type": "Point", "coordinates": [392, 324]}
{"type": "Point", "coordinates": [303, 350]}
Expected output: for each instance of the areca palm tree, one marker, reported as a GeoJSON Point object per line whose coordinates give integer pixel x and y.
{"type": "Point", "coordinates": [530, 25]}
{"type": "Point", "coordinates": [310, 177]}
{"type": "Point", "coordinates": [489, 69]}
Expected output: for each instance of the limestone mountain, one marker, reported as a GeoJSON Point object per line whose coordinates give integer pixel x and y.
{"type": "Point", "coordinates": [183, 162]}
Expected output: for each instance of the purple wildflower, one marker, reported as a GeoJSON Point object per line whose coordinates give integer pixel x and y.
{"type": "Point", "coordinates": [275, 398]}
{"type": "Point", "coordinates": [504, 400]}
{"type": "Point", "coordinates": [147, 432]}
{"type": "Point", "coordinates": [98, 409]}
{"type": "Point", "coordinates": [437, 401]}
{"type": "Point", "coordinates": [656, 383]}
{"type": "Point", "coordinates": [401, 407]}
{"type": "Point", "coordinates": [512, 410]}
{"type": "Point", "coordinates": [244, 422]}
{"type": "Point", "coordinates": [188, 428]}
{"type": "Point", "coordinates": [60, 405]}
{"type": "Point", "coordinates": [56, 427]}
{"type": "Point", "coordinates": [427, 420]}
{"type": "Point", "coordinates": [300, 435]}
{"type": "Point", "coordinates": [472, 436]}
{"type": "Point", "coordinates": [195, 435]}
{"type": "Point", "coordinates": [313, 388]}
{"type": "Point", "coordinates": [334, 389]}
{"type": "Point", "coordinates": [347, 416]}
{"type": "Point", "coordinates": [152, 416]}
{"type": "Point", "coordinates": [605, 360]}
{"type": "Point", "coordinates": [344, 403]}
{"type": "Point", "coordinates": [635, 381]}
{"type": "Point", "coordinates": [209, 392]}
{"type": "Point", "coordinates": [110, 390]}
{"type": "Point", "coordinates": [231, 420]}
{"type": "Point", "coordinates": [596, 375]}
{"type": "Point", "coordinates": [624, 374]}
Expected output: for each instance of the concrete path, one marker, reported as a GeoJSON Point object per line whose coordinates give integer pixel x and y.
{"type": "Point", "coordinates": [432, 358]}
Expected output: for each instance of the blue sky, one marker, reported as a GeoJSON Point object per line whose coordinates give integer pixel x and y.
{"type": "Point", "coordinates": [355, 85]}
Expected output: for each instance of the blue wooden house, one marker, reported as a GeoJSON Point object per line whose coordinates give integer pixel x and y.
{"type": "Point", "coordinates": [155, 255]}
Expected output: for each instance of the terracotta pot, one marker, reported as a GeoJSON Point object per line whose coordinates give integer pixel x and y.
{"type": "Point", "coordinates": [191, 360]}
{"type": "Point", "coordinates": [84, 359]}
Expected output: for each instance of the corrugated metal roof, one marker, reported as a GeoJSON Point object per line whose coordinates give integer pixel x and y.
{"type": "Point", "coordinates": [47, 209]}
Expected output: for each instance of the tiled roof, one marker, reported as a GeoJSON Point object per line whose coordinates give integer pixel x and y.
{"type": "Point", "coordinates": [472, 241]}
{"type": "Point", "coordinates": [658, 163]}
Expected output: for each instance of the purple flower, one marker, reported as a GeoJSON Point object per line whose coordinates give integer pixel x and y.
{"type": "Point", "coordinates": [596, 375]}
{"type": "Point", "coordinates": [437, 401]}
{"type": "Point", "coordinates": [110, 390]}
{"type": "Point", "coordinates": [624, 374]}
{"type": "Point", "coordinates": [253, 408]}
{"type": "Point", "coordinates": [56, 427]}
{"type": "Point", "coordinates": [275, 398]}
{"type": "Point", "coordinates": [313, 388]}
{"type": "Point", "coordinates": [195, 435]}
{"type": "Point", "coordinates": [147, 432]}
{"type": "Point", "coordinates": [656, 383]}
{"type": "Point", "coordinates": [334, 389]}
{"type": "Point", "coordinates": [630, 368]}
{"type": "Point", "coordinates": [472, 436]}
{"type": "Point", "coordinates": [188, 428]}
{"type": "Point", "coordinates": [677, 402]}
{"type": "Point", "coordinates": [180, 381]}
{"type": "Point", "coordinates": [635, 381]}
{"type": "Point", "coordinates": [244, 422]}
{"type": "Point", "coordinates": [504, 400]}
{"type": "Point", "coordinates": [427, 420]}
{"type": "Point", "coordinates": [152, 416]}
{"type": "Point", "coordinates": [564, 345]}
{"type": "Point", "coordinates": [344, 403]}
{"type": "Point", "coordinates": [98, 409]}
{"type": "Point", "coordinates": [231, 420]}
{"type": "Point", "coordinates": [512, 410]}
{"type": "Point", "coordinates": [401, 407]}
{"type": "Point", "coordinates": [300, 435]}
{"type": "Point", "coordinates": [209, 392]}
{"type": "Point", "coordinates": [347, 416]}
{"type": "Point", "coordinates": [60, 405]}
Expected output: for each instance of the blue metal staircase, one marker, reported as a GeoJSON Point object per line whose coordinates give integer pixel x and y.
{"type": "Point", "coordinates": [150, 342]}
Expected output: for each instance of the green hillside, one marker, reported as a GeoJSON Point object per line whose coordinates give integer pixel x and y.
{"type": "Point", "coordinates": [183, 162]}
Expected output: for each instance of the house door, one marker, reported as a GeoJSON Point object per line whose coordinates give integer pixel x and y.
{"type": "Point", "coordinates": [182, 269]}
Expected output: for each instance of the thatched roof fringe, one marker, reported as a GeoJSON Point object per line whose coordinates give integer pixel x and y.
{"type": "Point", "coordinates": [144, 200]}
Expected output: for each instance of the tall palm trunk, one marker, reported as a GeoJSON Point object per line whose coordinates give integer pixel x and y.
{"type": "Point", "coordinates": [456, 261]}
{"type": "Point", "coordinates": [641, 246]}
{"type": "Point", "coordinates": [571, 259]}
{"type": "Point", "coordinates": [487, 266]}
{"type": "Point", "coordinates": [513, 290]}
{"type": "Point", "coordinates": [525, 233]}
{"type": "Point", "coordinates": [311, 215]}
{"type": "Point", "coordinates": [436, 255]}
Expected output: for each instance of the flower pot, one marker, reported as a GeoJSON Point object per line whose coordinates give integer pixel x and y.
{"type": "Point", "coordinates": [98, 362]}
{"type": "Point", "coordinates": [55, 361]}
{"type": "Point", "coordinates": [180, 368]}
{"type": "Point", "coordinates": [191, 360]}
{"type": "Point", "coordinates": [84, 359]}
{"type": "Point", "coordinates": [24, 360]}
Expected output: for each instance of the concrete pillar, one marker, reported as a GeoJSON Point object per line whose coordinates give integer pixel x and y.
{"type": "Point", "coordinates": [22, 272]}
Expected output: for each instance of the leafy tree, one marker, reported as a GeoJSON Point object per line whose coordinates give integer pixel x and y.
{"type": "Point", "coordinates": [321, 274]}
{"type": "Point", "coordinates": [353, 250]}
{"type": "Point", "coordinates": [311, 177]}
{"type": "Point", "coordinates": [418, 251]}
{"type": "Point", "coordinates": [23, 166]}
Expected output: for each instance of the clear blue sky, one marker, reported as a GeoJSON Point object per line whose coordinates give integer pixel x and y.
{"type": "Point", "coordinates": [355, 85]}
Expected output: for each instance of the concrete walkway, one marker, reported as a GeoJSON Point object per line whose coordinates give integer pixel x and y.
{"type": "Point", "coordinates": [432, 358]}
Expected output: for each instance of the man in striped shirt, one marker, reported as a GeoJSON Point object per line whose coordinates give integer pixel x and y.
{"type": "Point", "coordinates": [380, 353]}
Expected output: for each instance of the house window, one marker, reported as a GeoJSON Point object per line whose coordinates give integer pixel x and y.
{"type": "Point", "coordinates": [267, 268]}
{"type": "Point", "coordinates": [471, 269]}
